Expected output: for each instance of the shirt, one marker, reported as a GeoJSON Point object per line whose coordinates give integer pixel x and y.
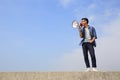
{"type": "Point", "coordinates": [92, 32]}
{"type": "Point", "coordinates": [87, 35]}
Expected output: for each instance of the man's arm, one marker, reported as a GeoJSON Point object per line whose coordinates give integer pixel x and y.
{"type": "Point", "coordinates": [95, 35]}
{"type": "Point", "coordinates": [93, 39]}
{"type": "Point", "coordinates": [80, 32]}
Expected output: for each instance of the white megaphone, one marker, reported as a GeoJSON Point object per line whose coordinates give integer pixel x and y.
{"type": "Point", "coordinates": [75, 24]}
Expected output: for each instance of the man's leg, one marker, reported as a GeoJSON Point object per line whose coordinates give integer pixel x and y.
{"type": "Point", "coordinates": [92, 54]}
{"type": "Point", "coordinates": [85, 53]}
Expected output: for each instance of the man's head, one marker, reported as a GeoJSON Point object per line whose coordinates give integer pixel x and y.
{"type": "Point", "coordinates": [84, 21]}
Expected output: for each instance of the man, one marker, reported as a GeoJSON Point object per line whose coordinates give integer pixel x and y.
{"type": "Point", "coordinates": [88, 34]}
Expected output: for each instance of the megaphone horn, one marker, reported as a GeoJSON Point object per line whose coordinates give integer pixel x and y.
{"type": "Point", "coordinates": [75, 24]}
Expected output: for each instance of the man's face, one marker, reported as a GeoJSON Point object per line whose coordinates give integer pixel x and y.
{"type": "Point", "coordinates": [84, 22]}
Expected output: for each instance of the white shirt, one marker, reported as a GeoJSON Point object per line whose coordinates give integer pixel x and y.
{"type": "Point", "coordinates": [87, 35]}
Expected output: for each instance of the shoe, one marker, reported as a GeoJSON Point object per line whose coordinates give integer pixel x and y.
{"type": "Point", "coordinates": [88, 69]}
{"type": "Point", "coordinates": [94, 69]}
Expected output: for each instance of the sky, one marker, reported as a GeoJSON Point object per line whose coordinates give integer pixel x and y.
{"type": "Point", "coordinates": [37, 35]}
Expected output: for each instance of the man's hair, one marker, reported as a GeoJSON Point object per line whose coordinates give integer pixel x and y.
{"type": "Point", "coordinates": [86, 19]}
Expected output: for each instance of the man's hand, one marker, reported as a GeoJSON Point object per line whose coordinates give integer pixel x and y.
{"type": "Point", "coordinates": [93, 39]}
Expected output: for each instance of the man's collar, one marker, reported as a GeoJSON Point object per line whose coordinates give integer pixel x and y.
{"type": "Point", "coordinates": [88, 27]}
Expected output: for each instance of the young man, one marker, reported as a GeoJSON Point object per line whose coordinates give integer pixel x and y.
{"type": "Point", "coordinates": [88, 34]}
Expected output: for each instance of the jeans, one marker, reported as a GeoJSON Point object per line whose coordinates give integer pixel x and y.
{"type": "Point", "coordinates": [89, 47]}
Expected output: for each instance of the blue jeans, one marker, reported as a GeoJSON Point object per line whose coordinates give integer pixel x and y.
{"type": "Point", "coordinates": [89, 47]}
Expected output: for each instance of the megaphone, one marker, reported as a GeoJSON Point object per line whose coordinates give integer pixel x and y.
{"type": "Point", "coordinates": [75, 24]}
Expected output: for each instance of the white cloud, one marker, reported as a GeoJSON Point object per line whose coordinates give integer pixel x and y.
{"type": "Point", "coordinates": [92, 6]}
{"type": "Point", "coordinates": [98, 10]}
{"type": "Point", "coordinates": [87, 11]}
{"type": "Point", "coordinates": [108, 47]}
{"type": "Point", "coordinates": [107, 51]}
{"type": "Point", "coordinates": [71, 61]}
{"type": "Point", "coordinates": [91, 18]}
{"type": "Point", "coordinates": [65, 3]}
{"type": "Point", "coordinates": [111, 12]}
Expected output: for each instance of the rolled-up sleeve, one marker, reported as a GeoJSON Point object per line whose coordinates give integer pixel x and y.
{"type": "Point", "coordinates": [94, 33]}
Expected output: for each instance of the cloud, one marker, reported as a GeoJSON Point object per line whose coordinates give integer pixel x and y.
{"type": "Point", "coordinates": [71, 61]}
{"type": "Point", "coordinates": [112, 12]}
{"type": "Point", "coordinates": [92, 6]}
{"type": "Point", "coordinates": [108, 47]}
{"type": "Point", "coordinates": [107, 51]}
{"type": "Point", "coordinates": [86, 11]}
{"type": "Point", "coordinates": [96, 10]}
{"type": "Point", "coordinates": [91, 18]}
{"type": "Point", "coordinates": [66, 3]}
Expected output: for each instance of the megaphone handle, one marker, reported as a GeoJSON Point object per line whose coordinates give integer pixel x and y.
{"type": "Point", "coordinates": [79, 28]}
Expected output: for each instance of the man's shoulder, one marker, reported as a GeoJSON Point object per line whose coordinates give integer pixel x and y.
{"type": "Point", "coordinates": [91, 26]}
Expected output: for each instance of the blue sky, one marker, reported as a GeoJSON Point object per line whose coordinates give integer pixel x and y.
{"type": "Point", "coordinates": [37, 35]}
